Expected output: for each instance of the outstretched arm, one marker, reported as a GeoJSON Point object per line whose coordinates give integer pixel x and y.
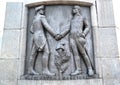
{"type": "Point", "coordinates": [87, 28]}
{"type": "Point", "coordinates": [48, 27]}
{"type": "Point", "coordinates": [67, 30]}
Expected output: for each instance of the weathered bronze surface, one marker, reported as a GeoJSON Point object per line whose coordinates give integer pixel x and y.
{"type": "Point", "coordinates": [59, 43]}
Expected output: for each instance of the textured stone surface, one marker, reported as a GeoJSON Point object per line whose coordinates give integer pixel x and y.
{"type": "Point", "coordinates": [98, 67]}
{"type": "Point", "coordinates": [61, 82]}
{"type": "Point", "coordinates": [21, 67]}
{"type": "Point", "coordinates": [8, 82]}
{"type": "Point", "coordinates": [112, 82]}
{"type": "Point", "coordinates": [22, 53]}
{"type": "Point", "coordinates": [95, 41]}
{"type": "Point", "coordinates": [22, 41]}
{"type": "Point", "coordinates": [105, 13]}
{"type": "Point", "coordinates": [94, 82]}
{"type": "Point", "coordinates": [51, 82]}
{"type": "Point", "coordinates": [13, 15]}
{"type": "Point", "coordinates": [94, 15]}
{"type": "Point", "coordinates": [2, 18]}
{"type": "Point", "coordinates": [118, 38]}
{"type": "Point", "coordinates": [27, 82]}
{"type": "Point", "coordinates": [74, 82]}
{"type": "Point", "coordinates": [39, 82]}
{"type": "Point", "coordinates": [8, 69]}
{"type": "Point", "coordinates": [110, 68]}
{"type": "Point", "coordinates": [10, 44]}
{"type": "Point", "coordinates": [105, 42]}
{"type": "Point", "coordinates": [24, 18]}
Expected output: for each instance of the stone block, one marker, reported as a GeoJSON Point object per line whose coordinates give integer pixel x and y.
{"type": "Point", "coordinates": [22, 53]}
{"type": "Point", "coordinates": [105, 42]}
{"type": "Point", "coordinates": [95, 41]}
{"type": "Point", "coordinates": [98, 67]}
{"type": "Point", "coordinates": [8, 82]}
{"type": "Point", "coordinates": [118, 38]}
{"type": "Point", "coordinates": [21, 68]}
{"type": "Point", "coordinates": [94, 82]}
{"type": "Point", "coordinates": [112, 82]}
{"type": "Point", "coordinates": [8, 69]}
{"type": "Point", "coordinates": [10, 44]}
{"type": "Point", "coordinates": [110, 68]}
{"type": "Point", "coordinates": [27, 82]}
{"type": "Point", "coordinates": [105, 13]}
{"type": "Point", "coordinates": [23, 39]}
{"type": "Point", "coordinates": [2, 18]}
{"type": "Point", "coordinates": [13, 15]}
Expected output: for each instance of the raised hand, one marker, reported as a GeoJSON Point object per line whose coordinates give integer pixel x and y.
{"type": "Point", "coordinates": [81, 35]}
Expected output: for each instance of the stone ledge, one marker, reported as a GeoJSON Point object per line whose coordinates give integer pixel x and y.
{"type": "Point", "coordinates": [58, 2]}
{"type": "Point", "coordinates": [64, 77]}
{"type": "Point", "coordinates": [61, 82]}
{"type": "Point", "coordinates": [27, 82]}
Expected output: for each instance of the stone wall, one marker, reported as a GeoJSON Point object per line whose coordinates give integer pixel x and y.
{"type": "Point", "coordinates": [105, 45]}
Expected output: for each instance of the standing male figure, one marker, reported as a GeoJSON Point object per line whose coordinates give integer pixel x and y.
{"type": "Point", "coordinates": [39, 41]}
{"type": "Point", "coordinates": [77, 40]}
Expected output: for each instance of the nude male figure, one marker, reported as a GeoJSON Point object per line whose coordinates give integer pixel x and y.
{"type": "Point", "coordinates": [39, 41]}
{"type": "Point", "coordinates": [77, 40]}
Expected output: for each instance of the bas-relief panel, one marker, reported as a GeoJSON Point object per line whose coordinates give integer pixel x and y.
{"type": "Point", "coordinates": [59, 43]}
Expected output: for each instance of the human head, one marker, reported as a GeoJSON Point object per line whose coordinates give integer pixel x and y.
{"type": "Point", "coordinates": [76, 9]}
{"type": "Point", "coordinates": [40, 9]}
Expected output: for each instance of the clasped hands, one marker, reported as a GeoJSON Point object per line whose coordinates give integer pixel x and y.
{"type": "Point", "coordinates": [58, 37]}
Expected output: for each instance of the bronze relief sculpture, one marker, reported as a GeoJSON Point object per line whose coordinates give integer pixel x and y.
{"type": "Point", "coordinates": [61, 59]}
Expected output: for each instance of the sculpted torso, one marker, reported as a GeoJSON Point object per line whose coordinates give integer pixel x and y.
{"type": "Point", "coordinates": [76, 26]}
{"type": "Point", "coordinates": [37, 24]}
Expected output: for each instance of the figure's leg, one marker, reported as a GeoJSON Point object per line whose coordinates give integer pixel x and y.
{"type": "Point", "coordinates": [76, 57]}
{"type": "Point", "coordinates": [32, 60]}
{"type": "Point", "coordinates": [45, 61]}
{"type": "Point", "coordinates": [85, 57]}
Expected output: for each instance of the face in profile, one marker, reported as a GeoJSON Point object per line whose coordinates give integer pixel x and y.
{"type": "Point", "coordinates": [76, 9]}
{"type": "Point", "coordinates": [41, 11]}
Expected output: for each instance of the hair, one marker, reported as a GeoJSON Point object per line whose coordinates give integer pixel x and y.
{"type": "Point", "coordinates": [78, 7]}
